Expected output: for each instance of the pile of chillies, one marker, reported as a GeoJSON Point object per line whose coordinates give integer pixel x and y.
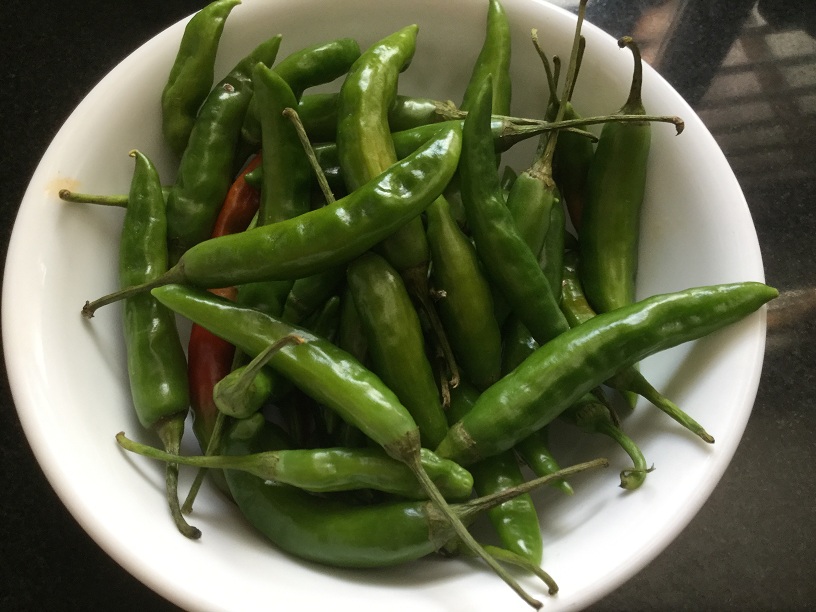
{"type": "Point", "coordinates": [385, 321]}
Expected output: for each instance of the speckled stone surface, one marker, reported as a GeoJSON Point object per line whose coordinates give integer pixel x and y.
{"type": "Point", "coordinates": [750, 72]}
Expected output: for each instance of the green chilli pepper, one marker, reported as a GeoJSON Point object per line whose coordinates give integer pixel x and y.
{"type": "Point", "coordinates": [561, 371]}
{"type": "Point", "coordinates": [365, 148]}
{"type": "Point", "coordinates": [363, 136]}
{"type": "Point", "coordinates": [305, 68]}
{"type": "Point", "coordinates": [508, 260]}
{"type": "Point", "coordinates": [334, 378]}
{"type": "Point", "coordinates": [493, 61]}
{"type": "Point", "coordinates": [206, 169]}
{"type": "Point", "coordinates": [319, 239]}
{"type": "Point", "coordinates": [331, 532]}
{"type": "Point", "coordinates": [191, 76]}
{"type": "Point", "coordinates": [616, 183]}
{"type": "Point", "coordinates": [466, 304]}
{"type": "Point", "coordinates": [156, 364]}
{"type": "Point", "coordinates": [287, 174]}
{"type": "Point", "coordinates": [534, 450]}
{"type": "Point", "coordinates": [629, 380]}
{"type": "Point", "coordinates": [327, 470]}
{"type": "Point", "coordinates": [516, 520]}
{"type": "Point", "coordinates": [395, 342]}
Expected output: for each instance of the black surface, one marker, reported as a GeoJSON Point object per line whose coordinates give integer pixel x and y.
{"type": "Point", "coordinates": [751, 546]}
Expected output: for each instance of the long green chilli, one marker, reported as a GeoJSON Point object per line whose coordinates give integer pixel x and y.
{"type": "Point", "coordinates": [206, 169]}
{"type": "Point", "coordinates": [546, 383]}
{"type": "Point", "coordinates": [191, 75]}
{"type": "Point", "coordinates": [156, 363]}
{"type": "Point", "coordinates": [322, 238]}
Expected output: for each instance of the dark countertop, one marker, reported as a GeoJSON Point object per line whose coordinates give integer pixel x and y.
{"type": "Point", "coordinates": [750, 72]}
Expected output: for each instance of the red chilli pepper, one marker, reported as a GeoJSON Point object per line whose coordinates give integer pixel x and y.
{"type": "Point", "coordinates": [209, 358]}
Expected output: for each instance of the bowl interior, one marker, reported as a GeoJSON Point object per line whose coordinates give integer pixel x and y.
{"type": "Point", "coordinates": [69, 380]}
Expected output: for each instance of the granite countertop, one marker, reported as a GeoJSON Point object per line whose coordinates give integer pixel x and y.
{"type": "Point", "coordinates": [747, 68]}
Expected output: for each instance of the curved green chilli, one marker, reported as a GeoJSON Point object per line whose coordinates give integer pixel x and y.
{"type": "Point", "coordinates": [191, 75]}
{"type": "Point", "coordinates": [466, 307]}
{"type": "Point", "coordinates": [319, 239]}
{"type": "Point", "coordinates": [508, 261]}
{"type": "Point", "coordinates": [629, 380]}
{"type": "Point", "coordinates": [363, 136]}
{"type": "Point", "coordinates": [364, 144]}
{"type": "Point", "coordinates": [308, 67]}
{"type": "Point", "coordinates": [206, 169]}
{"type": "Point", "coordinates": [147, 324]}
{"type": "Point", "coordinates": [334, 533]}
{"type": "Point", "coordinates": [327, 470]}
{"type": "Point", "coordinates": [578, 360]}
{"type": "Point", "coordinates": [616, 184]}
{"type": "Point", "coordinates": [156, 363]}
{"type": "Point", "coordinates": [516, 520]}
{"type": "Point", "coordinates": [319, 368]}
{"type": "Point", "coordinates": [493, 61]}
{"type": "Point", "coordinates": [395, 342]}
{"type": "Point", "coordinates": [287, 174]}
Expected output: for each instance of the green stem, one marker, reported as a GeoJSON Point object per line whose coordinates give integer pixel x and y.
{"type": "Point", "coordinates": [464, 535]}
{"type": "Point", "coordinates": [292, 115]}
{"type": "Point", "coordinates": [212, 445]}
{"type": "Point", "coordinates": [552, 81]}
{"type": "Point", "coordinates": [507, 556]}
{"type": "Point", "coordinates": [543, 165]}
{"type": "Point", "coordinates": [118, 200]}
{"type": "Point", "coordinates": [170, 431]}
{"type": "Point", "coordinates": [172, 276]}
{"type": "Point", "coordinates": [633, 477]}
{"type": "Point", "coordinates": [637, 383]}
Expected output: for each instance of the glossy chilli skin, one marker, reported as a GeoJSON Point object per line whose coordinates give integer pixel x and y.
{"type": "Point", "coordinates": [326, 373]}
{"type": "Point", "coordinates": [331, 235]}
{"type": "Point", "coordinates": [325, 530]}
{"type": "Point", "coordinates": [493, 62]}
{"type": "Point", "coordinates": [191, 76]}
{"type": "Point", "coordinates": [207, 167]}
{"type": "Point", "coordinates": [516, 520]}
{"type": "Point", "coordinates": [395, 342]}
{"type": "Point", "coordinates": [562, 370]}
{"type": "Point", "coordinates": [466, 307]}
{"type": "Point", "coordinates": [628, 380]}
{"type": "Point", "coordinates": [508, 260]}
{"type": "Point", "coordinates": [616, 184]}
{"type": "Point", "coordinates": [156, 363]}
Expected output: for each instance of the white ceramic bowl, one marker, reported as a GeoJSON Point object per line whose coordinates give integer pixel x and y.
{"type": "Point", "coordinates": [69, 381]}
